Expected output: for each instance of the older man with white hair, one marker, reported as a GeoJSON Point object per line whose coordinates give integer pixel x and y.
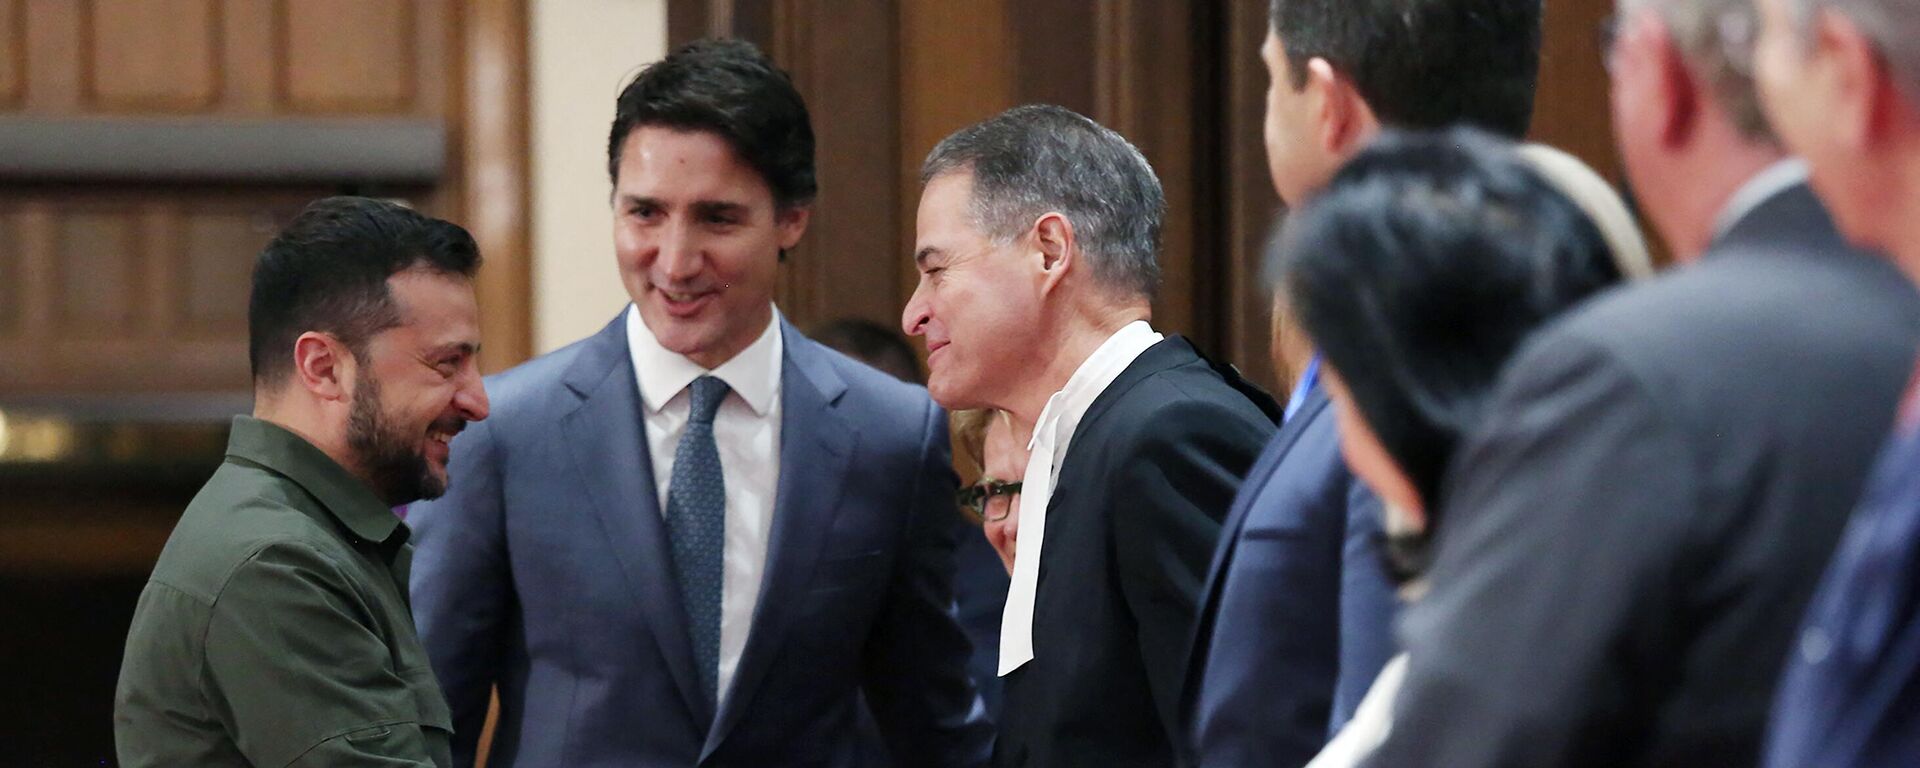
{"type": "Point", "coordinates": [1842, 81]}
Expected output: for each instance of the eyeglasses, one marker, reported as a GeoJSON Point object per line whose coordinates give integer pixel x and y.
{"type": "Point", "coordinates": [974, 498]}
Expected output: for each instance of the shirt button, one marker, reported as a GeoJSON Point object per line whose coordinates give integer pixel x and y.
{"type": "Point", "coordinates": [1815, 646]}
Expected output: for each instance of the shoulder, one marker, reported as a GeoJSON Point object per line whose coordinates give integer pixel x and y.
{"type": "Point", "coordinates": [869, 392]}
{"type": "Point", "coordinates": [240, 514]}
{"type": "Point", "coordinates": [1179, 399]}
{"type": "Point", "coordinates": [1753, 303]}
{"type": "Point", "coordinates": [1170, 421]}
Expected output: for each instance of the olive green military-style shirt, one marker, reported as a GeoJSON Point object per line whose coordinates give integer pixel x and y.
{"type": "Point", "coordinates": [275, 629]}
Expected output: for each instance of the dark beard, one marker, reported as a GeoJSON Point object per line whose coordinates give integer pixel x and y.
{"type": "Point", "coordinates": [393, 463]}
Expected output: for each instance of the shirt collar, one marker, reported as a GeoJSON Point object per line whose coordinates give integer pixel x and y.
{"type": "Point", "coordinates": [343, 495]}
{"type": "Point", "coordinates": [754, 374]}
{"type": "Point", "coordinates": [1775, 179]}
{"type": "Point", "coordinates": [1063, 411]}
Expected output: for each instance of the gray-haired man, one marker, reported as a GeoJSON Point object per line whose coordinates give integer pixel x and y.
{"type": "Point", "coordinates": [1038, 242]}
{"type": "Point", "coordinates": [1842, 79]}
{"type": "Point", "coordinates": [1661, 476]}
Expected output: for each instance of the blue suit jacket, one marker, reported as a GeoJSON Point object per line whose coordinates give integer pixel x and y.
{"type": "Point", "coordinates": [1297, 616]}
{"type": "Point", "coordinates": [546, 571]}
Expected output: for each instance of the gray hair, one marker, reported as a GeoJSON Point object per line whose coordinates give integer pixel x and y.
{"type": "Point", "coordinates": [1040, 158]}
{"type": "Point", "coordinates": [1717, 38]}
{"type": "Point", "coordinates": [1893, 25]}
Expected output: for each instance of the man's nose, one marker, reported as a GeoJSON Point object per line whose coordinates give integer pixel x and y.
{"type": "Point", "coordinates": [680, 257]}
{"type": "Point", "coordinates": [471, 399]}
{"type": "Point", "coordinates": [913, 319]}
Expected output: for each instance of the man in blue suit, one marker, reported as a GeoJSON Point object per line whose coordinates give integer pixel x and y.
{"type": "Point", "coordinates": [1296, 617]}
{"type": "Point", "coordinates": [696, 536]}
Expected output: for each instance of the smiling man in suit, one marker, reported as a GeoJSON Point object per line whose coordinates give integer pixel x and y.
{"type": "Point", "coordinates": [694, 537]}
{"type": "Point", "coordinates": [1038, 241]}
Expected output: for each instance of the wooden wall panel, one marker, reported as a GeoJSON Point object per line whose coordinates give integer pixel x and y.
{"type": "Point", "coordinates": [1247, 208]}
{"type": "Point", "coordinates": [1571, 112]}
{"type": "Point", "coordinates": [97, 279]}
{"type": "Point", "coordinates": [372, 70]}
{"type": "Point", "coordinates": [54, 77]}
{"type": "Point", "coordinates": [151, 55]}
{"type": "Point", "coordinates": [213, 271]}
{"type": "Point", "coordinates": [850, 263]}
{"type": "Point", "coordinates": [12, 312]}
{"type": "Point", "coordinates": [13, 51]}
{"type": "Point", "coordinates": [491, 182]}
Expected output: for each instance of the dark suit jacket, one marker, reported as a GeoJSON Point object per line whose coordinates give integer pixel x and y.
{"type": "Point", "coordinates": [547, 570]}
{"type": "Point", "coordinates": [1631, 538]}
{"type": "Point", "coordinates": [1297, 616]}
{"type": "Point", "coordinates": [1131, 526]}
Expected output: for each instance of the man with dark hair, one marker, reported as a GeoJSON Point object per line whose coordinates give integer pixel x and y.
{"type": "Point", "coordinates": [1296, 616]}
{"type": "Point", "coordinates": [275, 627]}
{"type": "Point", "coordinates": [1038, 245]}
{"type": "Point", "coordinates": [1662, 476]}
{"type": "Point", "coordinates": [697, 536]}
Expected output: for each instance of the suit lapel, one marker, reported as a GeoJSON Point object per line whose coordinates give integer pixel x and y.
{"type": "Point", "coordinates": [816, 449]}
{"type": "Point", "coordinates": [608, 445]}
{"type": "Point", "coordinates": [1255, 484]}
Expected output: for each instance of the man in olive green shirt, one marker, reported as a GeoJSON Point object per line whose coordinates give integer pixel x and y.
{"type": "Point", "coordinates": [275, 629]}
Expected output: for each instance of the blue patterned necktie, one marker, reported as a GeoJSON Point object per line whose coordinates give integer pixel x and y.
{"type": "Point", "coordinates": [697, 523]}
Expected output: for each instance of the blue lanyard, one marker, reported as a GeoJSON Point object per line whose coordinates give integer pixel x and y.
{"type": "Point", "coordinates": [1308, 380]}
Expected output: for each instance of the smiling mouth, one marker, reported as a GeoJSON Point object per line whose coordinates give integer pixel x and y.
{"type": "Point", "coordinates": [444, 431]}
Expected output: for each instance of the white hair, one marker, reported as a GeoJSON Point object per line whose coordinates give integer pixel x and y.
{"type": "Point", "coordinates": [1893, 25]}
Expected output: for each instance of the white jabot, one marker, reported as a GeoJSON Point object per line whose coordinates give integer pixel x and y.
{"type": "Point", "coordinates": [1777, 178]}
{"type": "Point", "coordinates": [747, 432]}
{"type": "Point", "coordinates": [1051, 433]}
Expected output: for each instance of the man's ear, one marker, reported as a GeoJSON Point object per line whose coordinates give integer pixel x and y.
{"type": "Point", "coordinates": [1054, 242]}
{"type": "Point", "coordinates": [1344, 120]}
{"type": "Point", "coordinates": [323, 366]}
{"type": "Point", "coordinates": [1868, 101]}
{"type": "Point", "coordinates": [1676, 90]}
{"type": "Point", "coordinates": [792, 223]}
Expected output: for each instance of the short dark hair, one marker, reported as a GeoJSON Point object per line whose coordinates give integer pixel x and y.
{"type": "Point", "coordinates": [1419, 271]}
{"type": "Point", "coordinates": [872, 343]}
{"type": "Point", "coordinates": [1037, 158]}
{"type": "Point", "coordinates": [327, 271]}
{"type": "Point", "coordinates": [1423, 63]}
{"type": "Point", "coordinates": [730, 89]}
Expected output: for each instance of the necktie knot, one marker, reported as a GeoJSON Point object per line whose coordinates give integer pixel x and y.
{"type": "Point", "coordinates": [707, 392]}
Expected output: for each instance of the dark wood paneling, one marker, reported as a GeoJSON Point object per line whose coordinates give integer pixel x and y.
{"type": "Point", "coordinates": [1571, 112]}
{"type": "Point", "coordinates": [12, 313]}
{"type": "Point", "coordinates": [13, 51]}
{"type": "Point", "coordinates": [373, 69]}
{"type": "Point", "coordinates": [213, 268]}
{"type": "Point", "coordinates": [151, 55]}
{"type": "Point", "coordinates": [1248, 208]}
{"type": "Point", "coordinates": [493, 177]}
{"type": "Point", "coordinates": [95, 259]}
{"type": "Point", "coordinates": [850, 263]}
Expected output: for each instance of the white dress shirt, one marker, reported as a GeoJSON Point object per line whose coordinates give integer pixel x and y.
{"type": "Point", "coordinates": [1051, 434]}
{"type": "Point", "coordinates": [746, 430]}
